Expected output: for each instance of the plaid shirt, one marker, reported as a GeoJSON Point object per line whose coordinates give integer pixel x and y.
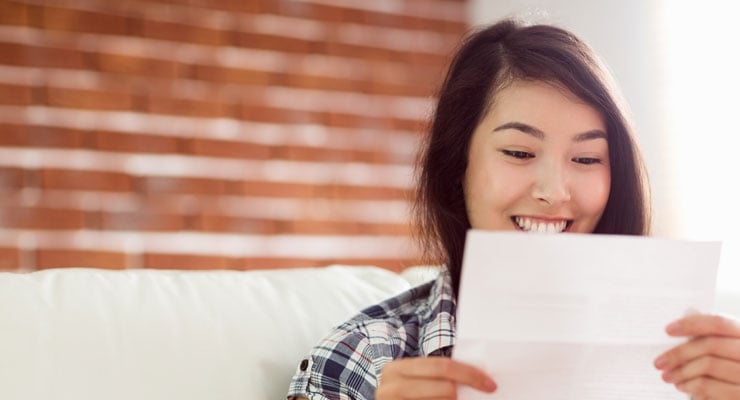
{"type": "Point", "coordinates": [347, 363]}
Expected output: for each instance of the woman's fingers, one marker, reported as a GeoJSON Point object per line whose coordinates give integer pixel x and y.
{"type": "Point", "coordinates": [710, 367]}
{"type": "Point", "coordinates": [417, 389]}
{"type": "Point", "coordinates": [441, 368]}
{"type": "Point", "coordinates": [723, 347]}
{"type": "Point", "coordinates": [429, 378]}
{"type": "Point", "coordinates": [708, 388]}
{"type": "Point", "coordinates": [704, 325]}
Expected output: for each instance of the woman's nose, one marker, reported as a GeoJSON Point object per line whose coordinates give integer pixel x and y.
{"type": "Point", "coordinates": [551, 185]}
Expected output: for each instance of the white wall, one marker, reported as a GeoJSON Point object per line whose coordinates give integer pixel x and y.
{"type": "Point", "coordinates": [675, 64]}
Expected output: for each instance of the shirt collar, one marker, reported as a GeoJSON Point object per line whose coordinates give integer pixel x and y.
{"type": "Point", "coordinates": [438, 331]}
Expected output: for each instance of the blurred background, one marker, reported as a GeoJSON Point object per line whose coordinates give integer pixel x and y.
{"type": "Point", "coordinates": [283, 133]}
{"type": "Point", "coordinates": [214, 134]}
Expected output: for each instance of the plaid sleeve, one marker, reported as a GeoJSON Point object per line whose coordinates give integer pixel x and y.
{"type": "Point", "coordinates": [342, 367]}
{"type": "Point", "coordinates": [346, 364]}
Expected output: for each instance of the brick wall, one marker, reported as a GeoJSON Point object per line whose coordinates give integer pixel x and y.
{"type": "Point", "coordinates": [214, 134]}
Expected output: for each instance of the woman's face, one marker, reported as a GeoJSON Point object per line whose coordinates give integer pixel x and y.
{"type": "Point", "coordinates": [538, 162]}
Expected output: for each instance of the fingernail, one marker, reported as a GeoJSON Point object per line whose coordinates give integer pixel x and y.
{"type": "Point", "coordinates": [667, 377]}
{"type": "Point", "coordinates": [661, 362]}
{"type": "Point", "coordinates": [490, 385]}
{"type": "Point", "coordinates": [673, 327]}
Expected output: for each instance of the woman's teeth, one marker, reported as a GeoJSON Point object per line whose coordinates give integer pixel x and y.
{"type": "Point", "coordinates": [532, 225]}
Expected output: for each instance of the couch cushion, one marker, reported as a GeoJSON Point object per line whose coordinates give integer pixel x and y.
{"type": "Point", "coordinates": [148, 334]}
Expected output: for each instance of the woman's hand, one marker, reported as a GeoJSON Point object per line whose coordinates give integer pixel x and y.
{"type": "Point", "coordinates": [429, 377]}
{"type": "Point", "coordinates": [707, 366]}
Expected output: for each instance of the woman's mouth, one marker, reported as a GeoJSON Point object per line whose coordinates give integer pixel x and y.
{"type": "Point", "coordinates": [529, 224]}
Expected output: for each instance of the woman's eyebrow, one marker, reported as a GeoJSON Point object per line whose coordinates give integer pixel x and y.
{"type": "Point", "coordinates": [590, 135]}
{"type": "Point", "coordinates": [522, 127]}
{"type": "Point", "coordinates": [531, 130]}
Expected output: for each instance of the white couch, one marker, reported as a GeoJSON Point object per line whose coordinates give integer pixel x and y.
{"type": "Point", "coordinates": [147, 334]}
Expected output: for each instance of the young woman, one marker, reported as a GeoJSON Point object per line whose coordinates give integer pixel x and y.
{"type": "Point", "coordinates": [528, 135]}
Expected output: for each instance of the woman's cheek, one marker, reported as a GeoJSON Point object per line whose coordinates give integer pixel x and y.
{"type": "Point", "coordinates": [595, 192]}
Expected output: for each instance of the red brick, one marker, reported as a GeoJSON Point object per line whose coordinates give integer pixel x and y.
{"type": "Point", "coordinates": [231, 75]}
{"type": "Point", "coordinates": [259, 263]}
{"type": "Point", "coordinates": [330, 13]}
{"type": "Point", "coordinates": [334, 48]}
{"type": "Point", "coordinates": [141, 221]}
{"type": "Point", "coordinates": [15, 135]}
{"type": "Point", "coordinates": [349, 14]}
{"type": "Point", "coordinates": [16, 95]}
{"type": "Point", "coordinates": [85, 180]}
{"type": "Point", "coordinates": [301, 153]}
{"type": "Point", "coordinates": [135, 143]}
{"type": "Point", "coordinates": [41, 218]}
{"type": "Point", "coordinates": [14, 54]}
{"type": "Point", "coordinates": [188, 262]}
{"type": "Point", "coordinates": [318, 82]}
{"type": "Point", "coordinates": [315, 227]}
{"type": "Point", "coordinates": [253, 6]}
{"type": "Point", "coordinates": [407, 125]}
{"type": "Point", "coordinates": [301, 190]}
{"type": "Point", "coordinates": [273, 42]}
{"type": "Point", "coordinates": [277, 189]}
{"type": "Point", "coordinates": [39, 136]}
{"type": "Point", "coordinates": [195, 108]}
{"type": "Point", "coordinates": [88, 99]}
{"type": "Point", "coordinates": [398, 89]}
{"type": "Point", "coordinates": [61, 258]}
{"type": "Point", "coordinates": [12, 13]}
{"type": "Point", "coordinates": [123, 64]}
{"type": "Point", "coordinates": [10, 258]}
{"type": "Point", "coordinates": [38, 94]}
{"type": "Point", "coordinates": [11, 178]}
{"type": "Point", "coordinates": [118, 63]}
{"type": "Point", "coordinates": [93, 220]}
{"type": "Point", "coordinates": [37, 56]}
{"type": "Point", "coordinates": [354, 120]}
{"type": "Point", "coordinates": [304, 153]}
{"type": "Point", "coordinates": [165, 69]}
{"type": "Point", "coordinates": [225, 148]}
{"type": "Point", "coordinates": [429, 77]}
{"type": "Point", "coordinates": [180, 185]}
{"type": "Point", "coordinates": [186, 206]}
{"type": "Point", "coordinates": [219, 223]}
{"type": "Point", "coordinates": [57, 58]}
{"type": "Point", "coordinates": [326, 12]}
{"type": "Point", "coordinates": [260, 113]}
{"type": "Point", "coordinates": [181, 32]}
{"type": "Point", "coordinates": [83, 21]}
{"type": "Point", "coordinates": [374, 84]}
{"type": "Point", "coordinates": [363, 192]}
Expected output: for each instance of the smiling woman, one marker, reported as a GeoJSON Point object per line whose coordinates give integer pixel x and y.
{"type": "Point", "coordinates": [527, 136]}
{"type": "Point", "coordinates": [490, 67]}
{"type": "Point", "coordinates": [528, 169]}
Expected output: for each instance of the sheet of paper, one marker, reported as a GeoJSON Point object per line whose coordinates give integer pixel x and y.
{"type": "Point", "coordinates": [577, 316]}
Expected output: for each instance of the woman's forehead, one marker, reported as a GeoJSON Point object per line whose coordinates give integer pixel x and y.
{"type": "Point", "coordinates": [543, 105]}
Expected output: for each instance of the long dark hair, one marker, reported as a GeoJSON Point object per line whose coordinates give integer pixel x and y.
{"type": "Point", "coordinates": [487, 61]}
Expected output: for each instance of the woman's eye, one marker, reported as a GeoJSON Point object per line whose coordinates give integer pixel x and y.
{"type": "Point", "coordinates": [522, 155]}
{"type": "Point", "coordinates": [587, 160]}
